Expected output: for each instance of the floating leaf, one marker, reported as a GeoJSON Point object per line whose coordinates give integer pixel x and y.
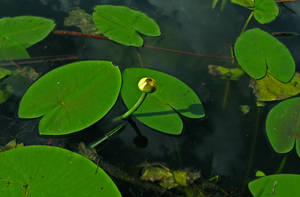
{"type": "Point", "coordinates": [278, 185]}
{"type": "Point", "coordinates": [265, 11]}
{"type": "Point", "coordinates": [4, 72]}
{"type": "Point", "coordinates": [43, 171]}
{"type": "Point", "coordinates": [226, 73]}
{"type": "Point", "coordinates": [270, 89]}
{"type": "Point", "coordinates": [121, 24]}
{"type": "Point", "coordinates": [11, 49]}
{"type": "Point", "coordinates": [160, 109]}
{"type": "Point", "coordinates": [72, 97]}
{"type": "Point", "coordinates": [283, 126]}
{"type": "Point", "coordinates": [25, 30]}
{"type": "Point", "coordinates": [256, 51]}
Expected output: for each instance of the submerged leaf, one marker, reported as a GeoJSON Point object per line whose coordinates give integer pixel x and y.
{"type": "Point", "coordinates": [271, 89]}
{"type": "Point", "coordinates": [72, 97]}
{"type": "Point", "coordinates": [81, 19]}
{"type": "Point", "coordinates": [226, 73]}
{"type": "Point", "coordinates": [44, 171]}
{"type": "Point", "coordinates": [160, 109]}
{"type": "Point", "coordinates": [4, 72]}
{"type": "Point", "coordinates": [121, 24]}
{"type": "Point", "coordinates": [257, 51]}
{"type": "Point", "coordinates": [283, 126]}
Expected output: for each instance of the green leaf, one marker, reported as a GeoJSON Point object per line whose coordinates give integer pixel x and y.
{"type": "Point", "coordinates": [72, 97]}
{"type": "Point", "coordinates": [270, 89]}
{"type": "Point", "coordinates": [11, 49]}
{"type": "Point", "coordinates": [43, 171]}
{"type": "Point", "coordinates": [279, 185]}
{"type": "Point", "coordinates": [121, 24]}
{"type": "Point", "coordinates": [5, 93]}
{"type": "Point", "coordinates": [226, 73]}
{"type": "Point", "coordinates": [157, 110]}
{"type": "Point", "coordinates": [265, 11]}
{"type": "Point", "coordinates": [25, 30]}
{"type": "Point", "coordinates": [283, 126]}
{"type": "Point", "coordinates": [259, 173]}
{"type": "Point", "coordinates": [4, 72]}
{"type": "Point", "coordinates": [256, 51]}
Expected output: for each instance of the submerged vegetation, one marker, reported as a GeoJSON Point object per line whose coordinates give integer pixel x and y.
{"type": "Point", "coordinates": [75, 96]}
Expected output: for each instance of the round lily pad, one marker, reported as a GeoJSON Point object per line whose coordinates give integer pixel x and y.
{"type": "Point", "coordinates": [43, 171]}
{"type": "Point", "coordinates": [278, 185]}
{"type": "Point", "coordinates": [72, 97]}
{"type": "Point", "coordinates": [265, 11]}
{"type": "Point", "coordinates": [256, 51]}
{"type": "Point", "coordinates": [160, 109]}
{"type": "Point", "coordinates": [121, 24]}
{"type": "Point", "coordinates": [283, 126]}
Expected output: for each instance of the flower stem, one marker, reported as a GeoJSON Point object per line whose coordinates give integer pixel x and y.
{"type": "Point", "coordinates": [133, 109]}
{"type": "Point", "coordinates": [107, 135]}
{"type": "Point", "coordinates": [247, 21]}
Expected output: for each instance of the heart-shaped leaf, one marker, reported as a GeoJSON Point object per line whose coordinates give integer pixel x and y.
{"type": "Point", "coordinates": [278, 185]}
{"type": "Point", "coordinates": [160, 109]}
{"type": "Point", "coordinates": [25, 30]}
{"type": "Point", "coordinates": [265, 11]}
{"type": "Point", "coordinates": [283, 126]}
{"type": "Point", "coordinates": [121, 24]}
{"type": "Point", "coordinates": [256, 51]}
{"type": "Point", "coordinates": [72, 97]}
{"type": "Point", "coordinates": [43, 171]}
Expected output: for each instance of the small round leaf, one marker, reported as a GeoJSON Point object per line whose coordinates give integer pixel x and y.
{"type": "Point", "coordinates": [265, 11]}
{"type": "Point", "coordinates": [283, 126]}
{"type": "Point", "coordinates": [121, 24]}
{"type": "Point", "coordinates": [256, 51]}
{"type": "Point", "coordinates": [72, 97]}
{"type": "Point", "coordinates": [160, 109]}
{"type": "Point", "coordinates": [43, 171]}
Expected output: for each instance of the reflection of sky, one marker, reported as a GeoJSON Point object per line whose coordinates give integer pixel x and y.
{"type": "Point", "coordinates": [186, 25]}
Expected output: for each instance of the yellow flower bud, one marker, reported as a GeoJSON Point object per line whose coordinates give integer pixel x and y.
{"type": "Point", "coordinates": [147, 85]}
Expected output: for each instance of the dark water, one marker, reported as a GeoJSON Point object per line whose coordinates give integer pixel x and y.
{"type": "Point", "coordinates": [219, 144]}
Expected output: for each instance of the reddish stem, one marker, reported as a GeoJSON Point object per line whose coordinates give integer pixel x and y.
{"type": "Point", "coordinates": [146, 46]}
{"type": "Point", "coordinates": [22, 70]}
{"type": "Point", "coordinates": [50, 141]}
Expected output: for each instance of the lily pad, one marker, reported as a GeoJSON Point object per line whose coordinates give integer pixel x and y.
{"type": "Point", "coordinates": [265, 11]}
{"type": "Point", "coordinates": [43, 171]}
{"type": "Point", "coordinates": [4, 72]}
{"type": "Point", "coordinates": [121, 24]}
{"type": "Point", "coordinates": [257, 51]}
{"type": "Point", "coordinates": [283, 126]}
{"type": "Point", "coordinates": [25, 30]}
{"type": "Point", "coordinates": [11, 49]}
{"type": "Point", "coordinates": [160, 110]}
{"type": "Point", "coordinates": [277, 185]}
{"type": "Point", "coordinates": [72, 97]}
{"type": "Point", "coordinates": [270, 89]}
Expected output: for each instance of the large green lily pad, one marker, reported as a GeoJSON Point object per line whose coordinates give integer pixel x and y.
{"type": "Point", "coordinates": [121, 24]}
{"type": "Point", "coordinates": [257, 51]}
{"type": "Point", "coordinates": [283, 126]}
{"type": "Point", "coordinates": [160, 109]}
{"type": "Point", "coordinates": [278, 185]}
{"type": "Point", "coordinates": [72, 97]}
{"type": "Point", "coordinates": [43, 171]}
{"type": "Point", "coordinates": [270, 89]}
{"type": "Point", "coordinates": [265, 11]}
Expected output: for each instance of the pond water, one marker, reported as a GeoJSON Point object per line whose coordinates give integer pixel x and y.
{"type": "Point", "coordinates": [219, 144]}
